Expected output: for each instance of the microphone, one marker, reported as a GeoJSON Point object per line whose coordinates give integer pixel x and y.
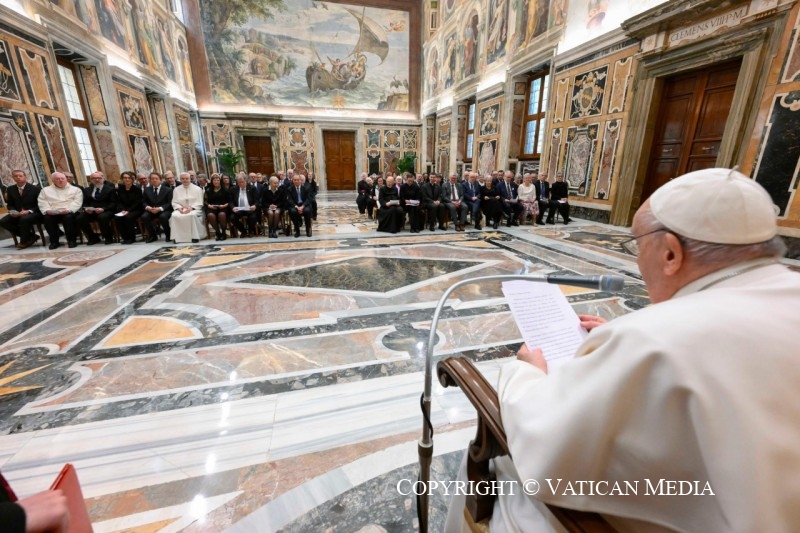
{"type": "Point", "coordinates": [602, 283]}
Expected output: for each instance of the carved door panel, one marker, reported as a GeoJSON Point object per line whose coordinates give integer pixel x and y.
{"type": "Point", "coordinates": [691, 121]}
{"type": "Point", "coordinates": [259, 156]}
{"type": "Point", "coordinates": [340, 160]}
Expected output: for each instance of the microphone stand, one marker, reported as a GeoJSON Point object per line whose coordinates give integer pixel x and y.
{"type": "Point", "coordinates": [425, 444]}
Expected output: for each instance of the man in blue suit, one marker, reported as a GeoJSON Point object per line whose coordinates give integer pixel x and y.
{"type": "Point", "coordinates": [509, 199]}
{"type": "Point", "coordinates": [472, 198]}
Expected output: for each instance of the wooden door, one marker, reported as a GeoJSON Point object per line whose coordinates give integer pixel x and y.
{"type": "Point", "coordinates": [258, 155]}
{"type": "Point", "coordinates": [340, 160]}
{"type": "Point", "coordinates": [691, 121]}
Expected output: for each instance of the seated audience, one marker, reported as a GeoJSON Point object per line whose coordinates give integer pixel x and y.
{"type": "Point", "coordinates": [362, 187]}
{"type": "Point", "coordinates": [390, 212]}
{"type": "Point", "coordinates": [22, 200]}
{"type": "Point", "coordinates": [559, 199]}
{"type": "Point", "coordinates": [490, 202]}
{"type": "Point", "coordinates": [186, 221]}
{"type": "Point", "coordinates": [453, 197]}
{"type": "Point", "coordinates": [694, 394]}
{"type": "Point", "coordinates": [272, 203]}
{"type": "Point", "coordinates": [243, 200]}
{"type": "Point", "coordinates": [128, 208]}
{"type": "Point", "coordinates": [157, 202]}
{"type": "Point", "coordinates": [411, 200]}
{"type": "Point", "coordinates": [509, 198]}
{"type": "Point", "coordinates": [527, 198]}
{"type": "Point", "coordinates": [542, 196]}
{"type": "Point", "coordinates": [99, 201]}
{"type": "Point", "coordinates": [217, 203]}
{"type": "Point", "coordinates": [59, 203]}
{"type": "Point", "coordinates": [299, 201]}
{"type": "Point", "coordinates": [432, 201]}
{"type": "Point", "coordinates": [472, 198]}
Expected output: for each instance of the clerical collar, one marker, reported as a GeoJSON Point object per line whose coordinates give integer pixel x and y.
{"type": "Point", "coordinates": [719, 276]}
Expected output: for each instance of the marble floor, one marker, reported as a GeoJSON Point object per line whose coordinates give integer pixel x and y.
{"type": "Point", "coordinates": [262, 385]}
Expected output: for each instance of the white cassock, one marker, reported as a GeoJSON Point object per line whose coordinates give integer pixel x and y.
{"type": "Point", "coordinates": [704, 387]}
{"type": "Point", "coordinates": [185, 227]}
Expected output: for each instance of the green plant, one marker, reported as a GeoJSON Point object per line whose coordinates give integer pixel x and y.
{"type": "Point", "coordinates": [229, 160]}
{"type": "Point", "coordinates": [408, 163]}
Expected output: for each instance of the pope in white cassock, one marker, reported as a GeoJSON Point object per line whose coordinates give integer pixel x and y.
{"type": "Point", "coordinates": [703, 386]}
{"type": "Point", "coordinates": [186, 222]}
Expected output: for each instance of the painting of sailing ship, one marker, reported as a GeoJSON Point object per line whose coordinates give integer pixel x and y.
{"type": "Point", "coordinates": [307, 53]}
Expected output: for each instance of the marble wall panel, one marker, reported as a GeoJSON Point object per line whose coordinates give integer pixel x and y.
{"type": "Point", "coordinates": [383, 147]}
{"type": "Point", "coordinates": [187, 157]}
{"type": "Point", "coordinates": [487, 156]}
{"type": "Point", "coordinates": [141, 153]}
{"type": "Point", "coordinates": [554, 158]}
{"type": "Point", "coordinates": [390, 159]}
{"type": "Point", "coordinates": [619, 84]}
{"type": "Point", "coordinates": [94, 95]}
{"type": "Point", "coordinates": [183, 124]}
{"type": "Point", "coordinates": [791, 69]}
{"type": "Point", "coordinates": [200, 159]}
{"type": "Point", "coordinates": [608, 154]}
{"type": "Point", "coordinates": [488, 120]}
{"type": "Point", "coordinates": [443, 163]}
{"type": "Point", "coordinates": [430, 140]}
{"type": "Point", "coordinates": [9, 90]}
{"type": "Point", "coordinates": [55, 143]}
{"type": "Point", "coordinates": [588, 92]}
{"type": "Point", "coordinates": [298, 147]}
{"type": "Point", "coordinates": [107, 154]}
{"type": "Point", "coordinates": [299, 160]}
{"type": "Point", "coordinates": [560, 100]}
{"type": "Point", "coordinates": [169, 157]}
{"type": "Point", "coordinates": [391, 139]}
{"type": "Point", "coordinates": [777, 166]}
{"type": "Point", "coordinates": [443, 132]}
{"type": "Point", "coordinates": [132, 106]}
{"type": "Point", "coordinates": [35, 72]}
{"type": "Point", "coordinates": [15, 153]}
{"type": "Point", "coordinates": [515, 139]}
{"type": "Point", "coordinates": [461, 137]}
{"type": "Point", "coordinates": [221, 135]}
{"type": "Point", "coordinates": [410, 139]}
{"type": "Point", "coordinates": [580, 154]}
{"type": "Point", "coordinates": [161, 120]}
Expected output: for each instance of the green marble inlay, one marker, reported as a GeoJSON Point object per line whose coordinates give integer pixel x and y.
{"type": "Point", "coordinates": [368, 274]}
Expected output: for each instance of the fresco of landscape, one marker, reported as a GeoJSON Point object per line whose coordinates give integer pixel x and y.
{"type": "Point", "coordinates": [304, 53]}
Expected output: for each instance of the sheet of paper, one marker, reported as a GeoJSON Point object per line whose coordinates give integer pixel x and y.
{"type": "Point", "coordinates": [545, 319]}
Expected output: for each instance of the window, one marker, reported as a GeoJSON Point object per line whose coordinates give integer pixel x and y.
{"type": "Point", "coordinates": [77, 113]}
{"type": "Point", "coordinates": [535, 111]}
{"type": "Point", "coordinates": [177, 8]}
{"type": "Point", "coordinates": [470, 140]}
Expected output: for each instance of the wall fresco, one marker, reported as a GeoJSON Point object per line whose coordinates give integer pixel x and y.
{"type": "Point", "coordinates": [307, 53]}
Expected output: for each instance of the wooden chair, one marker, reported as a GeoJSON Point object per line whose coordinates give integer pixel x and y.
{"type": "Point", "coordinates": [489, 442]}
{"type": "Point", "coordinates": [39, 228]}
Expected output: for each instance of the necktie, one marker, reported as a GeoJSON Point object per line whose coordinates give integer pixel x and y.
{"type": "Point", "coordinates": [299, 198]}
{"type": "Point", "coordinates": [157, 189]}
{"type": "Point", "coordinates": [96, 193]}
{"type": "Point", "coordinates": [455, 193]}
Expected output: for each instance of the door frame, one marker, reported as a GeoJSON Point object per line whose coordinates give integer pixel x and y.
{"type": "Point", "coordinates": [241, 133]}
{"type": "Point", "coordinates": [753, 43]}
{"type": "Point", "coordinates": [358, 131]}
{"type": "Point", "coordinates": [272, 138]}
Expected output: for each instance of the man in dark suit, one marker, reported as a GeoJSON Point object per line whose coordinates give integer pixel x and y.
{"type": "Point", "coordinates": [23, 210]}
{"type": "Point", "coordinates": [244, 205]}
{"type": "Point", "coordinates": [363, 193]}
{"type": "Point", "coordinates": [299, 198]}
{"type": "Point", "coordinates": [559, 196]}
{"type": "Point", "coordinates": [453, 197]}
{"type": "Point", "coordinates": [509, 199]}
{"type": "Point", "coordinates": [157, 199]}
{"type": "Point", "coordinates": [432, 200]}
{"type": "Point", "coordinates": [411, 198]}
{"type": "Point", "coordinates": [99, 200]}
{"type": "Point", "coordinates": [472, 198]}
{"type": "Point", "coordinates": [542, 196]}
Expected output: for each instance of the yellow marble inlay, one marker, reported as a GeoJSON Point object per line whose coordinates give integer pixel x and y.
{"type": "Point", "coordinates": [149, 329]}
{"type": "Point", "coordinates": [214, 260]}
{"type": "Point", "coordinates": [11, 390]}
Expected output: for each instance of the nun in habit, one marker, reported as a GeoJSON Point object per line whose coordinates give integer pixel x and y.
{"type": "Point", "coordinates": [186, 221]}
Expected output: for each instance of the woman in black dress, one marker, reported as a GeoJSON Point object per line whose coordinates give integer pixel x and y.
{"type": "Point", "coordinates": [272, 203]}
{"type": "Point", "coordinates": [490, 203]}
{"type": "Point", "coordinates": [226, 182]}
{"type": "Point", "coordinates": [390, 214]}
{"type": "Point", "coordinates": [129, 208]}
{"type": "Point", "coordinates": [216, 205]}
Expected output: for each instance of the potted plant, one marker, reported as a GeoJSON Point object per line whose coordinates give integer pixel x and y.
{"type": "Point", "coordinates": [229, 160]}
{"type": "Point", "coordinates": [408, 163]}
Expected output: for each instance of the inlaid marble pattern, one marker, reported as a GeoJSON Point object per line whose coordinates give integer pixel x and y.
{"type": "Point", "coordinates": [263, 385]}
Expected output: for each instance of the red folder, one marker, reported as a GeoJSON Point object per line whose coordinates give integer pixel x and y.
{"type": "Point", "coordinates": [67, 482]}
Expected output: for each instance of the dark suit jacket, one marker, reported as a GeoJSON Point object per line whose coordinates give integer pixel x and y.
{"type": "Point", "coordinates": [410, 192]}
{"type": "Point", "coordinates": [28, 200]}
{"type": "Point", "coordinates": [106, 200]}
{"type": "Point", "coordinates": [363, 188]}
{"type": "Point", "coordinates": [252, 196]}
{"type": "Point", "coordinates": [538, 187]}
{"type": "Point", "coordinates": [447, 192]}
{"type": "Point", "coordinates": [559, 191]}
{"type": "Point", "coordinates": [306, 195]}
{"type": "Point", "coordinates": [130, 201]}
{"type": "Point", "coordinates": [505, 192]}
{"type": "Point", "coordinates": [431, 193]}
{"type": "Point", "coordinates": [278, 198]}
{"type": "Point", "coordinates": [163, 200]}
{"type": "Point", "coordinates": [471, 190]}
